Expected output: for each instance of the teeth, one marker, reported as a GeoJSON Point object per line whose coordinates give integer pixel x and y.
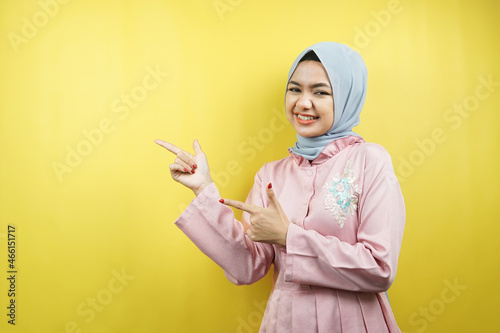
{"type": "Point", "coordinates": [305, 117]}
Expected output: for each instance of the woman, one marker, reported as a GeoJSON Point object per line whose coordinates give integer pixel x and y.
{"type": "Point", "coordinates": [329, 217]}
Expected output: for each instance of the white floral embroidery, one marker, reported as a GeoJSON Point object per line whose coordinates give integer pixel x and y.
{"type": "Point", "coordinates": [342, 195]}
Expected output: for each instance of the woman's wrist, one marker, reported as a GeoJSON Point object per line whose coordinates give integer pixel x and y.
{"type": "Point", "coordinates": [200, 189]}
{"type": "Point", "coordinates": [283, 240]}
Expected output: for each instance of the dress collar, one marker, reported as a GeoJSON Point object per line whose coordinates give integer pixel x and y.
{"type": "Point", "coordinates": [330, 150]}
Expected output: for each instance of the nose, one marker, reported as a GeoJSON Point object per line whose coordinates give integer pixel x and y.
{"type": "Point", "coordinates": [304, 102]}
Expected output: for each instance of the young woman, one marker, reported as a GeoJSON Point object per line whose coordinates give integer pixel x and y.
{"type": "Point", "coordinates": [329, 217]}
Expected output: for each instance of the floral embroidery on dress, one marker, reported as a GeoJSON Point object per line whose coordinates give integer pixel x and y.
{"type": "Point", "coordinates": [342, 195]}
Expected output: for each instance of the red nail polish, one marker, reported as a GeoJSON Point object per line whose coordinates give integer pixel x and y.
{"type": "Point", "coordinates": [270, 185]}
{"type": "Point", "coordinates": [185, 170]}
{"type": "Point", "coordinates": [194, 166]}
{"type": "Point", "coordinates": [192, 171]}
{"type": "Point", "coordinates": [221, 200]}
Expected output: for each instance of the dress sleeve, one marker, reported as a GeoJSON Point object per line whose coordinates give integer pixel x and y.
{"type": "Point", "coordinates": [370, 264]}
{"type": "Point", "coordinates": [212, 227]}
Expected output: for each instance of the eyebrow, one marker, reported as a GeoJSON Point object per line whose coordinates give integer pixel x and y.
{"type": "Point", "coordinates": [316, 85]}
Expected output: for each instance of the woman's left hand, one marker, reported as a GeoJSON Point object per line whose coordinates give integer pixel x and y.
{"type": "Point", "coordinates": [267, 225]}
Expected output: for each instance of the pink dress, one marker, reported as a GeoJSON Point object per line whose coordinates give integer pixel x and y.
{"type": "Point", "coordinates": [347, 219]}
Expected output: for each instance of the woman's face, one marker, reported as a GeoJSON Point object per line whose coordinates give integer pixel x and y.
{"type": "Point", "coordinates": [309, 100]}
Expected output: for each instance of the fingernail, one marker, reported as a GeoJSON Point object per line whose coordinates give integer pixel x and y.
{"type": "Point", "coordinates": [194, 166]}
{"type": "Point", "coordinates": [192, 171]}
{"type": "Point", "coordinates": [221, 200]}
{"type": "Point", "coordinates": [269, 185]}
{"type": "Point", "coordinates": [185, 170]}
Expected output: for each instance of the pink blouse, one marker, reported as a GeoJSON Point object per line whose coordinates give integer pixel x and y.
{"type": "Point", "coordinates": [347, 219]}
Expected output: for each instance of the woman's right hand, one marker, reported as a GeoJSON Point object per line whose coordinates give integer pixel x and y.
{"type": "Point", "coordinates": [191, 171]}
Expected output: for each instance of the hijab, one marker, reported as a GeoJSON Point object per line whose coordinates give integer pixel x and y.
{"type": "Point", "coordinates": [347, 73]}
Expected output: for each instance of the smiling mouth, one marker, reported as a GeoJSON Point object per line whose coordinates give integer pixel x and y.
{"type": "Point", "coordinates": [305, 120]}
{"type": "Point", "coordinates": [306, 117]}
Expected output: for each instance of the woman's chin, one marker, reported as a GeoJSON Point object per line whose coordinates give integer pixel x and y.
{"type": "Point", "coordinates": [310, 130]}
{"type": "Point", "coordinates": [309, 133]}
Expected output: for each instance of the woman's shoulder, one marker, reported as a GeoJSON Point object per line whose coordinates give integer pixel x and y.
{"type": "Point", "coordinates": [373, 159]}
{"type": "Point", "coordinates": [369, 155]}
{"type": "Point", "coordinates": [272, 168]}
{"type": "Point", "coordinates": [371, 150]}
{"type": "Point", "coordinates": [278, 164]}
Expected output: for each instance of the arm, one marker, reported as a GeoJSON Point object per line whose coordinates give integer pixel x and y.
{"type": "Point", "coordinates": [370, 264]}
{"type": "Point", "coordinates": [213, 228]}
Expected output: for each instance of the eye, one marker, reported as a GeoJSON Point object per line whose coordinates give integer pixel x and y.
{"type": "Point", "coordinates": [293, 89]}
{"type": "Point", "coordinates": [320, 92]}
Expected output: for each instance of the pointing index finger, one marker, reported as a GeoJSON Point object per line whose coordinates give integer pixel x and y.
{"type": "Point", "coordinates": [241, 205]}
{"type": "Point", "coordinates": [172, 148]}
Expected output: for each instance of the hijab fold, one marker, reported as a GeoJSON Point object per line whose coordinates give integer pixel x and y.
{"type": "Point", "coordinates": [347, 73]}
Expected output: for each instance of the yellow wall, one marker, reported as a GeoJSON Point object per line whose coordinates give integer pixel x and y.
{"type": "Point", "coordinates": [86, 86]}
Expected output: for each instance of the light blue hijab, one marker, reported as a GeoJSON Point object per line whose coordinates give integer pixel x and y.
{"type": "Point", "coordinates": [347, 73]}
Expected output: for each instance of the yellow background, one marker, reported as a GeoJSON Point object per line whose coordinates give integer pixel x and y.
{"type": "Point", "coordinates": [221, 72]}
